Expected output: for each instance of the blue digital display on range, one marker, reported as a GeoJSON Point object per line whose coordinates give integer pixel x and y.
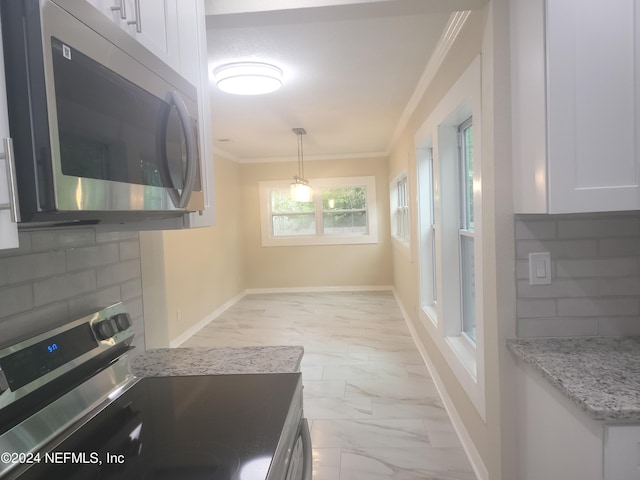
{"type": "Point", "coordinates": [26, 365]}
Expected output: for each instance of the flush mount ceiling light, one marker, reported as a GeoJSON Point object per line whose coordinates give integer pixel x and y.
{"type": "Point", "coordinates": [248, 78]}
{"type": "Point", "coordinates": [300, 189]}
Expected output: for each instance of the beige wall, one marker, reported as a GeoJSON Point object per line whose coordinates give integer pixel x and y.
{"type": "Point", "coordinates": [315, 266]}
{"type": "Point", "coordinates": [485, 33]}
{"type": "Point", "coordinates": [188, 274]}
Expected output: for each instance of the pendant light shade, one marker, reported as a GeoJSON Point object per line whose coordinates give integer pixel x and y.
{"type": "Point", "coordinates": [300, 188]}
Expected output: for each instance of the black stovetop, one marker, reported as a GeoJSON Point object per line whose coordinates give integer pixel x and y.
{"type": "Point", "coordinates": [222, 427]}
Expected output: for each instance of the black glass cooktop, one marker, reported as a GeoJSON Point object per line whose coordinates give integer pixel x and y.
{"type": "Point", "coordinates": [222, 427]}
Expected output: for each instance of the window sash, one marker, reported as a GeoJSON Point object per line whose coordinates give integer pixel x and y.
{"type": "Point", "coordinates": [319, 213]}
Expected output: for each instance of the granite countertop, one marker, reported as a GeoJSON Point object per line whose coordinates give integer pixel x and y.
{"type": "Point", "coordinates": [165, 362]}
{"type": "Point", "coordinates": [599, 374]}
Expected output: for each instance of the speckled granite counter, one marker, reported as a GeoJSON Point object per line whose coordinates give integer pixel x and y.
{"type": "Point", "coordinates": [599, 374]}
{"type": "Point", "coordinates": [165, 362]}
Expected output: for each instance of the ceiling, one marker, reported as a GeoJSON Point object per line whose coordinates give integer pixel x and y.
{"type": "Point", "coordinates": [350, 69]}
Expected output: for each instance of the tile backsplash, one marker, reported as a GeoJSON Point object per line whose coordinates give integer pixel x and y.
{"type": "Point", "coordinates": [59, 275]}
{"type": "Point", "coordinates": [595, 268]}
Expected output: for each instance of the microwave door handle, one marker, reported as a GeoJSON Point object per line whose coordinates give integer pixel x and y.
{"type": "Point", "coordinates": [13, 205]}
{"type": "Point", "coordinates": [192, 156]}
{"type": "Point", "coordinates": [163, 165]}
{"type": "Point", "coordinates": [307, 465]}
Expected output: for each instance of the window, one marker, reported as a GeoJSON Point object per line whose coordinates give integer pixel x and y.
{"type": "Point", "coordinates": [466, 233]}
{"type": "Point", "coordinates": [402, 217]}
{"type": "Point", "coordinates": [342, 211]}
{"type": "Point", "coordinates": [448, 155]}
{"type": "Point", "coordinates": [400, 214]}
{"type": "Point", "coordinates": [427, 221]}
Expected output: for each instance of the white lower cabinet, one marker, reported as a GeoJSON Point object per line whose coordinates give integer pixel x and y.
{"type": "Point", "coordinates": [622, 452]}
{"type": "Point", "coordinates": [557, 440]}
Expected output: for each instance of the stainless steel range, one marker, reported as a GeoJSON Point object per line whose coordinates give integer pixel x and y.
{"type": "Point", "coordinates": [71, 409]}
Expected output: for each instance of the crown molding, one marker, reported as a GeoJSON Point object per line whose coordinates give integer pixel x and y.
{"type": "Point", "coordinates": [451, 32]}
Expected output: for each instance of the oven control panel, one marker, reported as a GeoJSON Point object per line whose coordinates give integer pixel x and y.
{"type": "Point", "coordinates": [110, 327]}
{"type": "Point", "coordinates": [33, 363]}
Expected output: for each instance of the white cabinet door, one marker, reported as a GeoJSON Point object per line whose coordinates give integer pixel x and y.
{"type": "Point", "coordinates": [194, 67]}
{"type": "Point", "coordinates": [576, 105]}
{"type": "Point", "coordinates": [622, 452]}
{"type": "Point", "coordinates": [8, 228]}
{"type": "Point", "coordinates": [153, 23]}
{"type": "Point", "coordinates": [592, 98]}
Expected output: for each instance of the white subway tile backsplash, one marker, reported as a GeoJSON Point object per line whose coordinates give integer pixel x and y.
{"type": "Point", "coordinates": [65, 286]}
{"type": "Point", "coordinates": [536, 229]}
{"type": "Point", "coordinates": [93, 256]}
{"type": "Point", "coordinates": [119, 273]}
{"type": "Point", "coordinates": [595, 284]}
{"type": "Point", "coordinates": [16, 300]}
{"type": "Point", "coordinates": [599, 227]}
{"type": "Point", "coordinates": [54, 277]}
{"type": "Point", "coordinates": [26, 268]}
{"type": "Point", "coordinates": [129, 250]}
{"type": "Point", "coordinates": [582, 307]}
{"type": "Point", "coordinates": [557, 327]}
{"type": "Point", "coordinates": [619, 247]}
{"type": "Point", "coordinates": [559, 288]}
{"type": "Point", "coordinates": [536, 308]}
{"type": "Point", "coordinates": [617, 326]}
{"type": "Point", "coordinates": [558, 248]}
{"type": "Point", "coordinates": [62, 238]}
{"type": "Point", "coordinates": [88, 302]}
{"type": "Point", "coordinates": [596, 267]}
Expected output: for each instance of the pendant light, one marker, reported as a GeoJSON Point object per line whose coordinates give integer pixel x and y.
{"type": "Point", "coordinates": [300, 189]}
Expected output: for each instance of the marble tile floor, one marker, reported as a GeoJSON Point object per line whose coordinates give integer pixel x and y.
{"type": "Point", "coordinates": [374, 412]}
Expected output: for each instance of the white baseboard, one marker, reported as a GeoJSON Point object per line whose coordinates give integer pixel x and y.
{"type": "Point", "coordinates": [473, 455]}
{"type": "Point", "coordinates": [176, 342]}
{"type": "Point", "coordinates": [363, 288]}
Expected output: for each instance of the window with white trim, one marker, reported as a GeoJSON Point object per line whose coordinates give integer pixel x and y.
{"type": "Point", "coordinates": [400, 213]}
{"type": "Point", "coordinates": [402, 210]}
{"type": "Point", "coordinates": [427, 222]}
{"type": "Point", "coordinates": [342, 211]}
{"type": "Point", "coordinates": [466, 233]}
{"type": "Point", "coordinates": [448, 154]}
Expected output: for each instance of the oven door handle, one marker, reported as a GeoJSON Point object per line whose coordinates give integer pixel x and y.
{"type": "Point", "coordinates": [307, 465]}
{"type": "Point", "coordinates": [190, 144]}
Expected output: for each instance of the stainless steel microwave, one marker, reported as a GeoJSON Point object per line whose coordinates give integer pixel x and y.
{"type": "Point", "coordinates": [103, 130]}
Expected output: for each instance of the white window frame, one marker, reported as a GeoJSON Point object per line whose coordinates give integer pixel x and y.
{"type": "Point", "coordinates": [428, 257]}
{"type": "Point", "coordinates": [318, 184]}
{"type": "Point", "coordinates": [465, 358]}
{"type": "Point", "coordinates": [399, 192]}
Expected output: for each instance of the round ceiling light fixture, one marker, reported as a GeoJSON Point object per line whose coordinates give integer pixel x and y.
{"type": "Point", "coordinates": [248, 78]}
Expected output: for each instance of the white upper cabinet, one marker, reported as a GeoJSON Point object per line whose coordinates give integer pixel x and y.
{"type": "Point", "coordinates": [153, 23]}
{"type": "Point", "coordinates": [192, 38]}
{"type": "Point", "coordinates": [8, 209]}
{"type": "Point", "coordinates": [576, 105]}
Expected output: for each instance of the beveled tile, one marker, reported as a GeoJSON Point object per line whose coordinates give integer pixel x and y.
{"type": "Point", "coordinates": [354, 433]}
{"type": "Point", "coordinates": [404, 463]}
{"type": "Point", "coordinates": [332, 408]}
